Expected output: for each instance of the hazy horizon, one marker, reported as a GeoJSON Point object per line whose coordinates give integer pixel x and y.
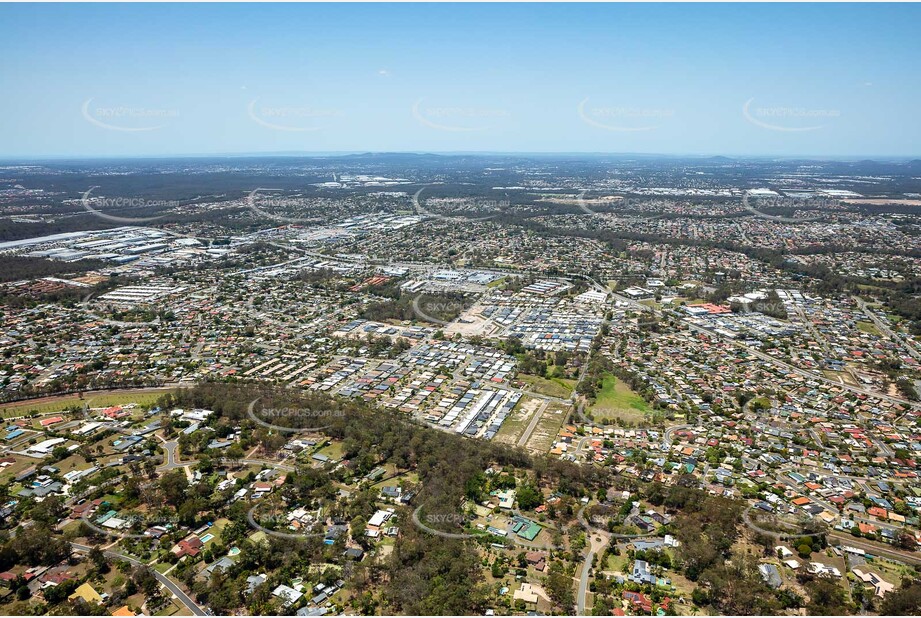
{"type": "Point", "coordinates": [460, 153]}
{"type": "Point", "coordinates": [801, 81]}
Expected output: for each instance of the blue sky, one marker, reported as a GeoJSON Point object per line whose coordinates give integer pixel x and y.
{"type": "Point", "coordinates": [780, 79]}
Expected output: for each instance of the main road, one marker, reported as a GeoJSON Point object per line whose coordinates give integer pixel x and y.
{"type": "Point", "coordinates": [875, 549]}
{"type": "Point", "coordinates": [884, 328]}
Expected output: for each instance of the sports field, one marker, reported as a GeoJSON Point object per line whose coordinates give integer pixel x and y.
{"type": "Point", "coordinates": [617, 400]}
{"type": "Point", "coordinates": [50, 405]}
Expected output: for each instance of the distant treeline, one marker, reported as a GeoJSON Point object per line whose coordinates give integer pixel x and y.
{"type": "Point", "coordinates": [18, 268]}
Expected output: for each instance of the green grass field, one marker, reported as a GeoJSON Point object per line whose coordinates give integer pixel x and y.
{"type": "Point", "coordinates": [551, 387]}
{"type": "Point", "coordinates": [170, 610]}
{"type": "Point", "coordinates": [334, 450]}
{"type": "Point", "coordinates": [868, 327]}
{"type": "Point", "coordinates": [763, 401]}
{"type": "Point", "coordinates": [617, 400]}
{"type": "Point", "coordinates": [48, 405]}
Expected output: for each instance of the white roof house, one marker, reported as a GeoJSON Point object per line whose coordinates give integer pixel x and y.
{"type": "Point", "coordinates": [45, 447]}
{"type": "Point", "coordinates": [377, 520]}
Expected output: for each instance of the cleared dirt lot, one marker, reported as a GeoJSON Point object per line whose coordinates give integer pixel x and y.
{"type": "Point", "coordinates": [471, 322]}
{"type": "Point", "coordinates": [547, 428]}
{"type": "Point", "coordinates": [518, 420]}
